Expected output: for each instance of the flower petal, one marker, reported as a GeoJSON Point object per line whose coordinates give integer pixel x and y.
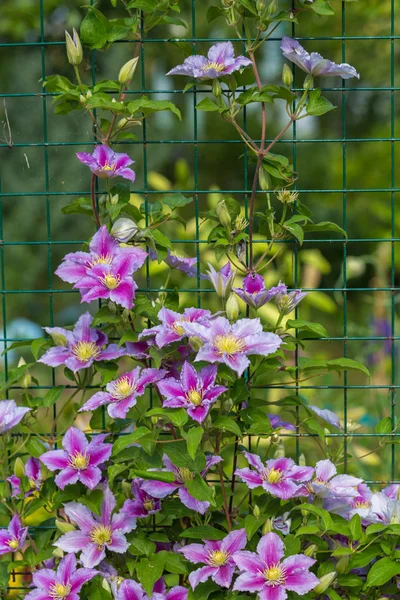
{"type": "Point", "coordinates": [271, 549]}
{"type": "Point", "coordinates": [234, 541]}
{"type": "Point", "coordinates": [200, 575]}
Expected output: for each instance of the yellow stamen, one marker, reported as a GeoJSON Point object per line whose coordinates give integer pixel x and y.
{"type": "Point", "coordinates": [13, 544]}
{"type": "Point", "coordinates": [184, 475]}
{"type": "Point", "coordinates": [148, 504]}
{"type": "Point", "coordinates": [362, 504]}
{"type": "Point", "coordinates": [272, 476]}
{"type": "Point", "coordinates": [110, 281]}
{"type": "Point", "coordinates": [219, 67]}
{"type": "Point", "coordinates": [101, 535]}
{"type": "Point", "coordinates": [275, 575]}
{"type": "Point", "coordinates": [58, 591]}
{"type": "Point", "coordinates": [218, 558]}
{"type": "Point", "coordinates": [194, 397]}
{"type": "Point", "coordinates": [84, 351]}
{"type": "Point", "coordinates": [108, 167]}
{"type": "Point", "coordinates": [122, 388]}
{"type": "Point", "coordinates": [229, 344]}
{"type": "Point", "coordinates": [78, 461]}
{"type": "Point", "coordinates": [101, 259]}
{"type": "Point", "coordinates": [177, 327]}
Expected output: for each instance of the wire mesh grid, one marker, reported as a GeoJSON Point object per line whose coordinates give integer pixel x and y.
{"type": "Point", "coordinates": [191, 147]}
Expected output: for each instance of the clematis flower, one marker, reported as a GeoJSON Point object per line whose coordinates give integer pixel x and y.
{"type": "Point", "coordinates": [282, 523]}
{"type": "Point", "coordinates": [104, 272]}
{"type": "Point", "coordinates": [230, 344]}
{"type": "Point", "coordinates": [33, 472]}
{"type": "Point", "coordinates": [122, 394]}
{"type": "Point", "coordinates": [15, 484]}
{"type": "Point", "coordinates": [105, 163]}
{"type": "Point", "coordinates": [79, 348]}
{"type": "Point", "coordinates": [327, 415]}
{"type": "Point", "coordinates": [392, 491]}
{"type": "Point", "coordinates": [217, 558]}
{"type": "Point", "coordinates": [279, 476]}
{"type": "Point", "coordinates": [220, 61]}
{"type": "Point", "coordinates": [12, 538]}
{"type": "Point", "coordinates": [161, 489]}
{"type": "Point", "coordinates": [181, 263]}
{"type": "Point", "coordinates": [383, 510]}
{"type": "Point", "coordinates": [142, 504]}
{"type": "Point", "coordinates": [171, 328]}
{"type": "Point", "coordinates": [194, 391]}
{"type": "Point", "coordinates": [277, 423]}
{"type": "Point", "coordinates": [222, 280]}
{"type": "Point", "coordinates": [253, 291]}
{"type": "Point", "coordinates": [266, 573]}
{"type": "Point", "coordinates": [131, 590]}
{"type": "Point", "coordinates": [328, 484]}
{"type": "Point", "coordinates": [96, 534]}
{"type": "Point", "coordinates": [314, 63]}
{"type": "Point", "coordinates": [347, 507]}
{"type": "Point", "coordinates": [65, 584]}
{"type": "Point", "coordinates": [286, 302]}
{"type": "Point", "coordinates": [10, 414]}
{"type": "Point", "coordinates": [79, 461]}
{"type": "Point", "coordinates": [175, 593]}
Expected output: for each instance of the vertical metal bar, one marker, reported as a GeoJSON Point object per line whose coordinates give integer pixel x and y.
{"type": "Point", "coordinates": [344, 205]}
{"type": "Point", "coordinates": [393, 249]}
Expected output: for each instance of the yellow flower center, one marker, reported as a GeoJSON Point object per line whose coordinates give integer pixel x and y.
{"type": "Point", "coordinates": [101, 259]}
{"type": "Point", "coordinates": [108, 167]}
{"type": "Point", "coordinates": [122, 388]}
{"type": "Point", "coordinates": [78, 461]}
{"type": "Point", "coordinates": [275, 575]}
{"type": "Point", "coordinates": [362, 504]}
{"type": "Point", "coordinates": [110, 281]}
{"type": "Point", "coordinates": [148, 504]}
{"type": "Point", "coordinates": [58, 591]}
{"type": "Point", "coordinates": [101, 535]}
{"type": "Point", "coordinates": [177, 327]}
{"type": "Point", "coordinates": [218, 558]}
{"type": "Point", "coordinates": [229, 344]}
{"type": "Point", "coordinates": [84, 351]}
{"type": "Point", "coordinates": [13, 544]}
{"type": "Point", "coordinates": [194, 397]}
{"type": "Point", "coordinates": [184, 475]}
{"type": "Point", "coordinates": [219, 67]}
{"type": "Point", "coordinates": [272, 476]}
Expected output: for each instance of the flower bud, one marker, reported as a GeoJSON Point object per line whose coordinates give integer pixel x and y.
{"type": "Point", "coordinates": [302, 460]}
{"type": "Point", "coordinates": [82, 98]}
{"type": "Point", "coordinates": [264, 180]}
{"type": "Point", "coordinates": [106, 586]}
{"type": "Point", "coordinates": [74, 48]}
{"type": "Point", "coordinates": [114, 200]}
{"type": "Point", "coordinates": [58, 338]}
{"type": "Point", "coordinates": [127, 71]}
{"type": "Point", "coordinates": [126, 488]}
{"type": "Point", "coordinates": [310, 551]}
{"type": "Point", "coordinates": [26, 378]}
{"type": "Point", "coordinates": [124, 229]}
{"type": "Point", "coordinates": [216, 88]}
{"type": "Point", "coordinates": [308, 82]}
{"type": "Point", "coordinates": [327, 436]}
{"type": "Point", "coordinates": [325, 582]}
{"type": "Point", "coordinates": [112, 307]}
{"type": "Point", "coordinates": [232, 307]}
{"type": "Point", "coordinates": [268, 526]}
{"type": "Point", "coordinates": [228, 404]}
{"type": "Point", "coordinates": [19, 468]}
{"type": "Point", "coordinates": [64, 527]}
{"type": "Point", "coordinates": [287, 75]}
{"type": "Point", "coordinates": [256, 511]}
{"type": "Point", "coordinates": [272, 8]}
{"type": "Point", "coordinates": [58, 553]}
{"type": "Point", "coordinates": [223, 214]}
{"type": "Point", "coordinates": [195, 342]}
{"type": "Point", "coordinates": [342, 564]}
{"type": "Point", "coordinates": [287, 196]}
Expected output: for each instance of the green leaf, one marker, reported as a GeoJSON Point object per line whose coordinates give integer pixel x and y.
{"type": "Point", "coordinates": [37, 345]}
{"type": "Point", "coordinates": [164, 476]}
{"type": "Point", "coordinates": [174, 563]}
{"type": "Point", "coordinates": [347, 364]}
{"type": "Point", "coordinates": [213, 13]}
{"type": "Point", "coordinates": [193, 439]}
{"type": "Point", "coordinates": [318, 105]}
{"type": "Point", "coordinates": [105, 315]}
{"type": "Point", "coordinates": [296, 231]}
{"type": "Point", "coordinates": [364, 557]}
{"type": "Point", "coordinates": [177, 416]}
{"type": "Point", "coordinates": [53, 395]}
{"type": "Point", "coordinates": [318, 512]}
{"type": "Point", "coordinates": [80, 205]}
{"type": "Point", "coordinates": [147, 6]}
{"type": "Point", "coordinates": [203, 532]}
{"type": "Point", "coordinates": [322, 7]}
{"type": "Point", "coordinates": [199, 489]}
{"type": "Point", "coordinates": [35, 447]}
{"type": "Point", "coordinates": [147, 106]}
{"type": "Point", "coordinates": [149, 570]}
{"type": "Point", "coordinates": [4, 574]}
{"type": "Point", "coordinates": [176, 200]}
{"type": "Point", "coordinates": [384, 426]}
{"type": "Point", "coordinates": [355, 527]}
{"type": "Point", "coordinates": [107, 370]}
{"type": "Point", "coordinates": [161, 239]}
{"type": "Point", "coordinates": [228, 424]}
{"type": "Point", "coordinates": [94, 29]}
{"type": "Point", "coordinates": [307, 326]}
{"type": "Point", "coordinates": [207, 105]}
{"type": "Point", "coordinates": [381, 572]}
{"type": "Point", "coordinates": [143, 545]}
{"type": "Point", "coordinates": [324, 226]}
{"type": "Point", "coordinates": [126, 440]}
{"type": "Point", "coordinates": [96, 591]}
{"type": "Point", "coordinates": [252, 524]}
{"type": "Point", "coordinates": [203, 591]}
{"type": "Point", "coordinates": [178, 455]}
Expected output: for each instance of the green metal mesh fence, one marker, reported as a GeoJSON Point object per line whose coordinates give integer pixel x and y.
{"type": "Point", "coordinates": [354, 181]}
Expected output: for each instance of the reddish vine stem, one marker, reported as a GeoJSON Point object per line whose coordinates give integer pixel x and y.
{"type": "Point", "coordinates": [93, 195]}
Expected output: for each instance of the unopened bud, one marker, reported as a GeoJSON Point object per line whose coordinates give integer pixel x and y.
{"type": "Point", "coordinates": [287, 75]}
{"type": "Point", "coordinates": [325, 582]}
{"type": "Point", "coordinates": [127, 71]}
{"type": "Point", "coordinates": [74, 48]}
{"type": "Point", "coordinates": [260, 5]}
{"type": "Point", "coordinates": [64, 527]}
{"type": "Point", "coordinates": [272, 8]}
{"type": "Point", "coordinates": [124, 229]}
{"type": "Point", "coordinates": [126, 488]}
{"type": "Point", "coordinates": [58, 553]}
{"type": "Point", "coordinates": [268, 526]}
{"type": "Point", "coordinates": [26, 378]}
{"type": "Point", "coordinates": [114, 200]}
{"type": "Point", "coordinates": [58, 338]}
{"type": "Point", "coordinates": [195, 342]}
{"type": "Point", "coordinates": [106, 586]}
{"type": "Point", "coordinates": [264, 180]}
{"type": "Point", "coordinates": [216, 88]}
{"type": "Point", "coordinates": [342, 564]}
{"type": "Point", "coordinates": [308, 82]}
{"type": "Point", "coordinates": [302, 460]}
{"type": "Point", "coordinates": [223, 214]}
{"type": "Point", "coordinates": [112, 307]}
{"type": "Point", "coordinates": [232, 308]}
{"type": "Point", "coordinates": [310, 551]}
{"type": "Point", "coordinates": [256, 511]}
{"type": "Point", "coordinates": [82, 98]}
{"type": "Point", "coordinates": [19, 468]}
{"type": "Point", "coordinates": [274, 438]}
{"type": "Point", "coordinates": [328, 440]}
{"type": "Point", "coordinates": [228, 404]}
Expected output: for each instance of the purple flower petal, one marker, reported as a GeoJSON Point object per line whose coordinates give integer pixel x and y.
{"type": "Point", "coordinates": [81, 515]}
{"type": "Point", "coordinates": [271, 549]}
{"type": "Point", "coordinates": [67, 476]}
{"type": "Point", "coordinates": [195, 553]}
{"type": "Point", "coordinates": [200, 575]}
{"type": "Point", "coordinates": [92, 555]}
{"type": "Point", "coordinates": [192, 503]}
{"type": "Point", "coordinates": [234, 541]}
{"type": "Point", "coordinates": [55, 459]}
